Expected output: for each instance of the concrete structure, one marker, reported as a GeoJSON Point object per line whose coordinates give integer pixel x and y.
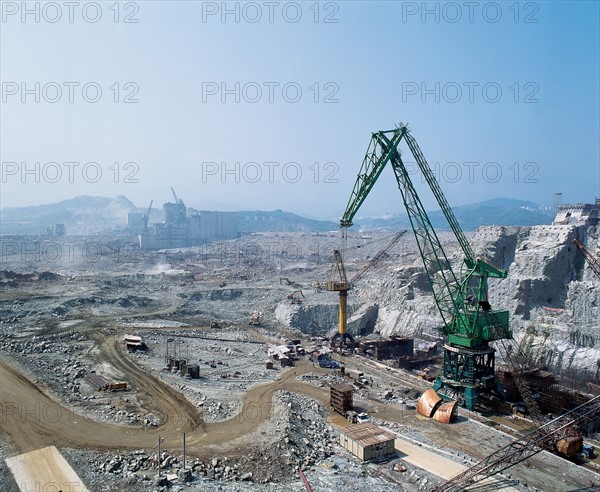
{"type": "Point", "coordinates": [208, 226]}
{"type": "Point", "coordinates": [340, 398]}
{"type": "Point", "coordinates": [135, 220]}
{"type": "Point", "coordinates": [578, 214]}
{"type": "Point", "coordinates": [367, 441]}
{"type": "Point", "coordinates": [179, 231]}
{"type": "Point", "coordinates": [391, 348]}
{"type": "Point", "coordinates": [58, 230]}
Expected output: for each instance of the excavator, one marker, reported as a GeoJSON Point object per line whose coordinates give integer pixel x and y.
{"type": "Point", "coordinates": [294, 299]}
{"type": "Point", "coordinates": [469, 322]}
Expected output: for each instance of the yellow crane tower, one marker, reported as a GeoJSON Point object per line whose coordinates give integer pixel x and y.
{"type": "Point", "coordinates": [342, 286]}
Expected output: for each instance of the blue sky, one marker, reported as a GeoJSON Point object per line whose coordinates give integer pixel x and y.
{"type": "Point", "coordinates": [503, 104]}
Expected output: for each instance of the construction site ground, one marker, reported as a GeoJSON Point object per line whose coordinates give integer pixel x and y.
{"type": "Point", "coordinates": [247, 427]}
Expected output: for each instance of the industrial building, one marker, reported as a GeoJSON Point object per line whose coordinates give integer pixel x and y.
{"type": "Point", "coordinates": [578, 214]}
{"type": "Point", "coordinates": [58, 230]}
{"type": "Point", "coordinates": [390, 348]}
{"type": "Point", "coordinates": [180, 230]}
{"type": "Point", "coordinates": [367, 441]}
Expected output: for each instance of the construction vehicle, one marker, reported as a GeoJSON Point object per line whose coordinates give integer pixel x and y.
{"type": "Point", "coordinates": [469, 323]}
{"type": "Point", "coordinates": [329, 364]}
{"type": "Point", "coordinates": [293, 298]}
{"type": "Point", "coordinates": [255, 318]}
{"type": "Point", "coordinates": [357, 418]}
{"type": "Point", "coordinates": [588, 451]}
{"type": "Point", "coordinates": [342, 286]}
{"type": "Point", "coordinates": [287, 281]}
{"type": "Point", "coordinates": [589, 257]}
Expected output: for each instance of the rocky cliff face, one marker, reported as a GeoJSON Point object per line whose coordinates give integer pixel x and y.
{"type": "Point", "coordinates": [551, 292]}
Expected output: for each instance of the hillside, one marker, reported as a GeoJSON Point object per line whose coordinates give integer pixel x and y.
{"type": "Point", "coordinates": [497, 211]}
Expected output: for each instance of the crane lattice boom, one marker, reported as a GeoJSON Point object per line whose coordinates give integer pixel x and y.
{"type": "Point", "coordinates": [543, 438]}
{"type": "Point", "coordinates": [590, 258]}
{"type": "Point", "coordinates": [461, 300]}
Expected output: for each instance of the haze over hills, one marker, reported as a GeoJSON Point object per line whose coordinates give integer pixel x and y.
{"type": "Point", "coordinates": [497, 211]}
{"type": "Point", "coordinates": [93, 215]}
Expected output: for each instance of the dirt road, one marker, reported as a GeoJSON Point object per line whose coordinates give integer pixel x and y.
{"type": "Point", "coordinates": [34, 420]}
{"type": "Point", "coordinates": [44, 469]}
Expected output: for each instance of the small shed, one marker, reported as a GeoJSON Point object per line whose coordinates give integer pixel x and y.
{"type": "Point", "coordinates": [193, 371]}
{"type": "Point", "coordinates": [133, 343]}
{"type": "Point", "coordinates": [367, 441]}
{"type": "Point", "coordinates": [285, 361]}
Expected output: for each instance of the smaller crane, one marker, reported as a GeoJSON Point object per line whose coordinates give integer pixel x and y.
{"type": "Point", "coordinates": [343, 286]}
{"type": "Point", "coordinates": [177, 200]}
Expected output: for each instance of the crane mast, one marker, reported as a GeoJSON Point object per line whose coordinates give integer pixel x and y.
{"type": "Point", "coordinates": [469, 323]}
{"type": "Point", "coordinates": [342, 286]}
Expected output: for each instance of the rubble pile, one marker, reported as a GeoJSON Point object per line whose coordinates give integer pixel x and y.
{"type": "Point", "coordinates": [305, 435]}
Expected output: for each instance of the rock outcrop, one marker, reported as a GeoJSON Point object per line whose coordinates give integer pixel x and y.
{"type": "Point", "coordinates": [551, 292]}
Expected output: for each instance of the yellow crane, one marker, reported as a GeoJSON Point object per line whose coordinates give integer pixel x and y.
{"type": "Point", "coordinates": [342, 286]}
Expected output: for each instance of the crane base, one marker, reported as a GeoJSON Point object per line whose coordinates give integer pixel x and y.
{"type": "Point", "coordinates": [467, 372]}
{"type": "Point", "coordinates": [345, 340]}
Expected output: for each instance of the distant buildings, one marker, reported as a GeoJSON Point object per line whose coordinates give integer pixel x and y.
{"type": "Point", "coordinates": [58, 230]}
{"type": "Point", "coordinates": [180, 230]}
{"type": "Point", "coordinates": [578, 214]}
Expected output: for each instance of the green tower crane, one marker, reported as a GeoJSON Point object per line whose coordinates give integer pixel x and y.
{"type": "Point", "coordinates": [469, 323]}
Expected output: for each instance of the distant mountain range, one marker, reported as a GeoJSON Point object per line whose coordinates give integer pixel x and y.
{"type": "Point", "coordinates": [497, 211]}
{"type": "Point", "coordinates": [86, 215]}
{"type": "Point", "coordinates": [81, 215]}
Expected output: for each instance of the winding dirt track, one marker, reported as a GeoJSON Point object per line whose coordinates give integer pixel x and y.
{"type": "Point", "coordinates": [33, 419]}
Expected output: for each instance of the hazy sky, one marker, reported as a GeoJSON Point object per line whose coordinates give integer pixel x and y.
{"type": "Point", "coordinates": [131, 98]}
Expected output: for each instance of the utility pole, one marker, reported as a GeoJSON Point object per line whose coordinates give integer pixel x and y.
{"type": "Point", "coordinates": [184, 450]}
{"type": "Point", "coordinates": [160, 439]}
